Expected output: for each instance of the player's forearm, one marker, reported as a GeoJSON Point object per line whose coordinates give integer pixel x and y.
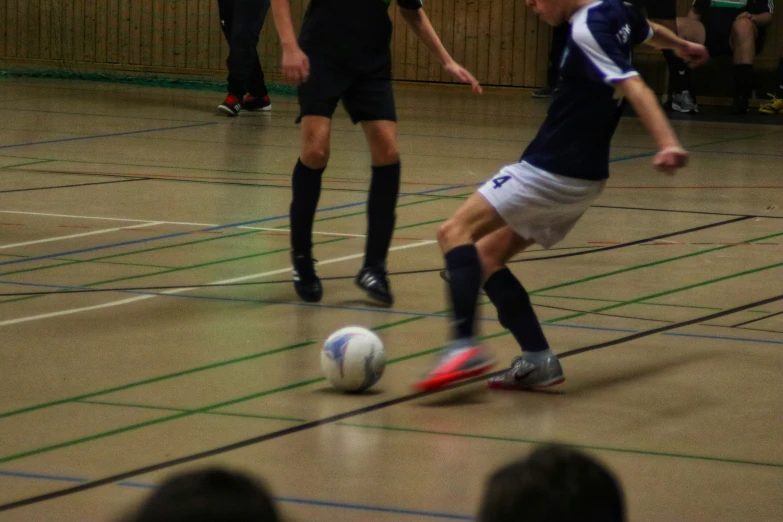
{"type": "Point", "coordinates": [762, 20]}
{"type": "Point", "coordinates": [646, 105]}
{"type": "Point", "coordinates": [419, 23]}
{"type": "Point", "coordinates": [664, 38]}
{"type": "Point", "coordinates": [281, 11]}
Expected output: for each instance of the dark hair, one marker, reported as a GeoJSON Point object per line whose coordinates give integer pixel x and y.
{"type": "Point", "coordinates": [208, 495]}
{"type": "Point", "coordinates": [553, 484]}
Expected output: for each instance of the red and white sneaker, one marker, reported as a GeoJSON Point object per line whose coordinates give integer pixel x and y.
{"type": "Point", "coordinates": [463, 359]}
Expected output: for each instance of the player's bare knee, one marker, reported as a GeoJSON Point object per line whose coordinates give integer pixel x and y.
{"type": "Point", "coordinates": [385, 153]}
{"type": "Point", "coordinates": [742, 31]}
{"type": "Point", "coordinates": [452, 233]}
{"type": "Point", "coordinates": [315, 156]}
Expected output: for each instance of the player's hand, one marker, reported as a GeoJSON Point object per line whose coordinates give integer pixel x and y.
{"type": "Point", "coordinates": [296, 66]}
{"type": "Point", "coordinates": [744, 14]}
{"type": "Point", "coordinates": [670, 159]}
{"type": "Point", "coordinates": [462, 74]}
{"type": "Point", "coordinates": [694, 54]}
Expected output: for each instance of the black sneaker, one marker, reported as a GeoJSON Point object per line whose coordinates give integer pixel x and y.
{"type": "Point", "coordinates": [740, 105]}
{"type": "Point", "coordinates": [257, 103]}
{"type": "Point", "coordinates": [230, 106]}
{"type": "Point", "coordinates": [306, 281]}
{"type": "Point", "coordinates": [373, 281]}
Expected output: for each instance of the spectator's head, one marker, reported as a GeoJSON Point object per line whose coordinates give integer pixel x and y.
{"type": "Point", "coordinates": [208, 495]}
{"type": "Point", "coordinates": [553, 484]}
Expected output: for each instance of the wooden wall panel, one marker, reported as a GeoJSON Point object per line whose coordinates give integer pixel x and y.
{"type": "Point", "coordinates": [112, 31]}
{"type": "Point", "coordinates": [501, 41]}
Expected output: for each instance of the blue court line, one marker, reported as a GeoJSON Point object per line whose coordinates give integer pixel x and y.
{"type": "Point", "coordinates": [290, 500]}
{"type": "Point", "coordinates": [111, 135]}
{"type": "Point", "coordinates": [209, 229]}
{"type": "Point", "coordinates": [388, 311]}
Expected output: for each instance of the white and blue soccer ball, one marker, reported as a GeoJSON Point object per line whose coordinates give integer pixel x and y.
{"type": "Point", "coordinates": [353, 359]}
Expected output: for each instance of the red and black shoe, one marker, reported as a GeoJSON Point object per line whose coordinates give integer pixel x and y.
{"type": "Point", "coordinates": [462, 360]}
{"type": "Point", "coordinates": [257, 103]}
{"type": "Point", "coordinates": [230, 106]}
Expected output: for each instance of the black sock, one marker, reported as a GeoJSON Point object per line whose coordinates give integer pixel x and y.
{"type": "Point", "coordinates": [743, 79]}
{"type": "Point", "coordinates": [464, 268]}
{"type": "Point", "coordinates": [515, 311]}
{"type": "Point", "coordinates": [679, 72]}
{"type": "Point", "coordinates": [780, 78]}
{"type": "Point", "coordinates": [306, 184]}
{"type": "Point", "coordinates": [381, 203]}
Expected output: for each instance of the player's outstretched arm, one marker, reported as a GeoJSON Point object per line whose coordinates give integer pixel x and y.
{"type": "Point", "coordinates": [693, 53]}
{"type": "Point", "coordinates": [296, 66]}
{"type": "Point", "coordinates": [419, 23]}
{"type": "Point", "coordinates": [671, 155]}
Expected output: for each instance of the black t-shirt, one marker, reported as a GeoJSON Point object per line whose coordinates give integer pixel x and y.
{"type": "Point", "coordinates": [702, 7]}
{"type": "Point", "coordinates": [357, 32]}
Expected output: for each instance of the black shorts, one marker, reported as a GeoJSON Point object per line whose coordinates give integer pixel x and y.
{"type": "Point", "coordinates": [366, 93]}
{"type": "Point", "coordinates": [717, 26]}
{"type": "Point", "coordinates": [661, 9]}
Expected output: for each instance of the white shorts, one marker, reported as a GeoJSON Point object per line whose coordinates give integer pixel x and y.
{"type": "Point", "coordinates": [538, 205]}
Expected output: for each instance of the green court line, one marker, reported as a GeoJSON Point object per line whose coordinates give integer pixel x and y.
{"type": "Point", "coordinates": [669, 292]}
{"type": "Point", "coordinates": [250, 357]}
{"type": "Point", "coordinates": [646, 265]}
{"type": "Point", "coordinates": [71, 261]}
{"type": "Point", "coordinates": [165, 408]}
{"type": "Point", "coordinates": [187, 243]}
{"type": "Point", "coordinates": [28, 163]}
{"type": "Point", "coordinates": [190, 371]}
{"type": "Point", "coordinates": [715, 308]}
{"type": "Point", "coordinates": [570, 445]}
{"type": "Point", "coordinates": [300, 384]}
{"type": "Point", "coordinates": [457, 434]}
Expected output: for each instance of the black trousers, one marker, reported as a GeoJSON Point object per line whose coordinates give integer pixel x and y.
{"type": "Point", "coordinates": [241, 21]}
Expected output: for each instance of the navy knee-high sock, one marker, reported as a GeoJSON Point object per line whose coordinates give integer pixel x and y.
{"type": "Point", "coordinates": [381, 204]}
{"type": "Point", "coordinates": [306, 185]}
{"type": "Point", "coordinates": [515, 311]}
{"type": "Point", "coordinates": [464, 269]}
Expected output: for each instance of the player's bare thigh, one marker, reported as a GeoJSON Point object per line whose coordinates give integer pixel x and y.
{"type": "Point", "coordinates": [690, 28]}
{"type": "Point", "coordinates": [475, 219]}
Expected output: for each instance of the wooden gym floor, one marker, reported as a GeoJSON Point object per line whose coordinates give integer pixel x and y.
{"type": "Point", "coordinates": [187, 337]}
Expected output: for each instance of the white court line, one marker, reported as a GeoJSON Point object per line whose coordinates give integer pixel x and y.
{"type": "Point", "coordinates": [82, 234]}
{"type": "Point", "coordinates": [209, 225]}
{"type": "Point", "coordinates": [180, 290]}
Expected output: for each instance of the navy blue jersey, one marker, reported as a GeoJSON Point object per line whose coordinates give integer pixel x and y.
{"type": "Point", "coordinates": [574, 139]}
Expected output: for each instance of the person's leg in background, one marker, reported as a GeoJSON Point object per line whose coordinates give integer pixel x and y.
{"type": "Point", "coordinates": [775, 105]}
{"type": "Point", "coordinates": [241, 22]}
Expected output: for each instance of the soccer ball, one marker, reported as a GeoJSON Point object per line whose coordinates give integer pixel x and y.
{"type": "Point", "coordinates": [353, 359]}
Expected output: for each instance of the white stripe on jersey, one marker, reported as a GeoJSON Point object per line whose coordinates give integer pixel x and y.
{"type": "Point", "coordinates": [582, 36]}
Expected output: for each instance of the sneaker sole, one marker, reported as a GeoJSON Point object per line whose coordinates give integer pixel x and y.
{"type": "Point", "coordinates": [444, 380]}
{"type": "Point", "coordinates": [262, 109]}
{"type": "Point", "coordinates": [377, 297]}
{"type": "Point", "coordinates": [545, 384]}
{"type": "Point", "coordinates": [227, 111]}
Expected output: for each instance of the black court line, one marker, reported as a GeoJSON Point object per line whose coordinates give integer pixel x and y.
{"type": "Point", "coordinates": [353, 413]}
{"type": "Point", "coordinates": [581, 252]}
{"type": "Point", "coordinates": [109, 135]}
{"type": "Point", "coordinates": [640, 241]}
{"type": "Point", "coordinates": [73, 185]}
{"type": "Point", "coordinates": [676, 211]}
{"type": "Point", "coordinates": [757, 319]}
